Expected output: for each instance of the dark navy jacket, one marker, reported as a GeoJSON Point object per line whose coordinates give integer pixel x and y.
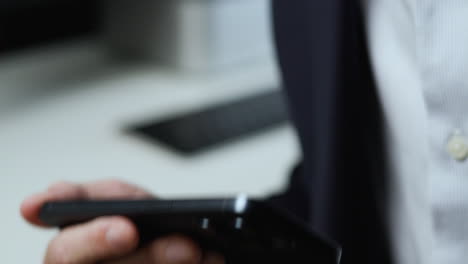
{"type": "Point", "coordinates": [339, 187]}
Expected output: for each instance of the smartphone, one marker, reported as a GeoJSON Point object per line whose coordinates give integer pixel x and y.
{"type": "Point", "coordinates": [243, 230]}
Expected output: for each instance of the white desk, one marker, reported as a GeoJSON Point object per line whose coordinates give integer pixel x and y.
{"type": "Point", "coordinates": [62, 111]}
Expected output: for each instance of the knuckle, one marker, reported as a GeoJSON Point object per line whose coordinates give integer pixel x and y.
{"type": "Point", "coordinates": [154, 253]}
{"type": "Point", "coordinates": [66, 189]}
{"type": "Point", "coordinates": [179, 249]}
{"type": "Point", "coordinates": [140, 193]}
{"type": "Point", "coordinates": [59, 185]}
{"type": "Point", "coordinates": [117, 184]}
{"type": "Point", "coordinates": [126, 189]}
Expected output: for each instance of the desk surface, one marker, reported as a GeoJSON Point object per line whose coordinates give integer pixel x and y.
{"type": "Point", "coordinates": [62, 114]}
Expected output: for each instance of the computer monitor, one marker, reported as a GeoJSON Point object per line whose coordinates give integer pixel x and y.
{"type": "Point", "coordinates": [27, 23]}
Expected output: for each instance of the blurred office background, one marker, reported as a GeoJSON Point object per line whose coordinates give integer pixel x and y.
{"type": "Point", "coordinates": [77, 77]}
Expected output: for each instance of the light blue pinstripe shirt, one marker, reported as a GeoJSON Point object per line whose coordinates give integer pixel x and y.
{"type": "Point", "coordinates": [419, 51]}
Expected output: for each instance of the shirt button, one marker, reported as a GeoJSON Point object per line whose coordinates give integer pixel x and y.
{"type": "Point", "coordinates": [458, 147]}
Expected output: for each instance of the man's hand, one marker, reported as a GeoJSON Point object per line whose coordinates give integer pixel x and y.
{"type": "Point", "coordinates": [109, 240]}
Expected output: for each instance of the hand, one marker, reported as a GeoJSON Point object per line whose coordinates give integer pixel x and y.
{"type": "Point", "coordinates": [109, 240]}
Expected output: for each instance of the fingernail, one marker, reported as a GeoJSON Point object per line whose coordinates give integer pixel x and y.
{"type": "Point", "coordinates": [115, 235]}
{"type": "Point", "coordinates": [177, 252]}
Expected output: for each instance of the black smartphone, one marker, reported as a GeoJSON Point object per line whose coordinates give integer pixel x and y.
{"type": "Point", "coordinates": [243, 230]}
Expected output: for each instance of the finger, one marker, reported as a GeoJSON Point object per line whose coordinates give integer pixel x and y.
{"type": "Point", "coordinates": [103, 238]}
{"type": "Point", "coordinates": [60, 191]}
{"type": "Point", "coordinates": [107, 189]}
{"type": "Point", "coordinates": [169, 250]}
{"type": "Point", "coordinates": [114, 189]}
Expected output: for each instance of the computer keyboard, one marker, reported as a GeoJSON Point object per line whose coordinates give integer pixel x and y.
{"type": "Point", "coordinates": [197, 131]}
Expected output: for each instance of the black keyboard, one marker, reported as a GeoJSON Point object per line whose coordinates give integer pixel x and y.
{"type": "Point", "coordinates": [197, 131]}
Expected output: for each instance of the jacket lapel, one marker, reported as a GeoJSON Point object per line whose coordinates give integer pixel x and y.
{"type": "Point", "coordinates": [323, 57]}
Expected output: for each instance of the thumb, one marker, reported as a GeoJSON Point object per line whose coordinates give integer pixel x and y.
{"type": "Point", "coordinates": [103, 238]}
